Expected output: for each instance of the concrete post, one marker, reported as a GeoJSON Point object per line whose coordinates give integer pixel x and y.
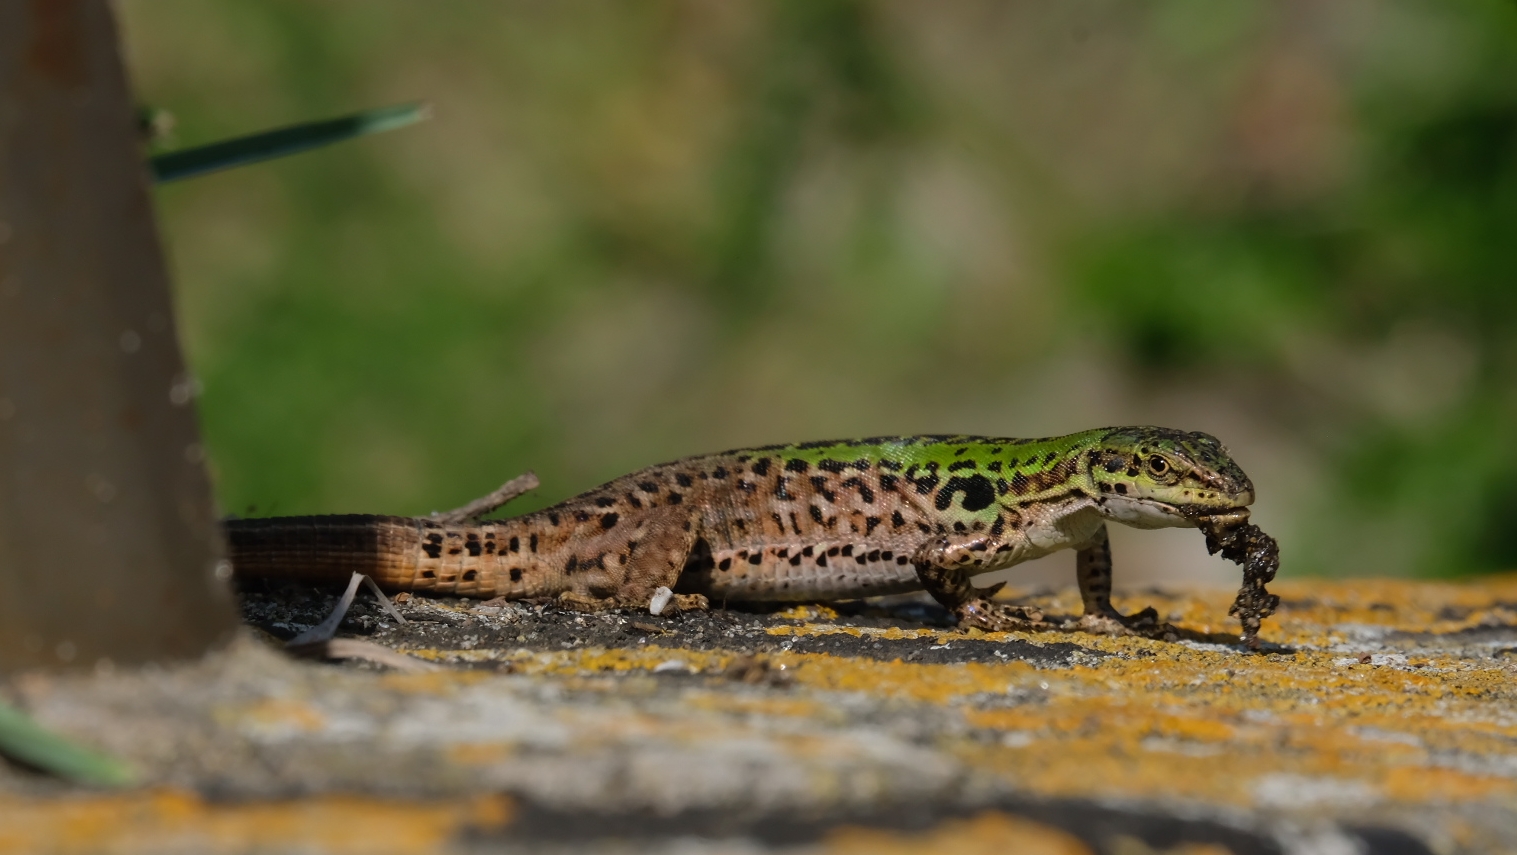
{"type": "Point", "coordinates": [109, 547]}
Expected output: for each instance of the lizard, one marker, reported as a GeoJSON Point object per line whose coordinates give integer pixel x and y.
{"type": "Point", "coordinates": [814, 521]}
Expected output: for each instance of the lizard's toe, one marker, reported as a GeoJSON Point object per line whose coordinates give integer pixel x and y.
{"type": "Point", "coordinates": [1145, 623]}
{"type": "Point", "coordinates": [689, 603]}
{"type": "Point", "coordinates": [999, 617]}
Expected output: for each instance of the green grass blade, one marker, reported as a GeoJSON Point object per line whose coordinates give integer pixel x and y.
{"type": "Point", "coordinates": [22, 739]}
{"type": "Point", "coordinates": [283, 141]}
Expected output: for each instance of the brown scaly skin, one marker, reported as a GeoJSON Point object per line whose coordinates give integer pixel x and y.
{"type": "Point", "coordinates": [807, 522]}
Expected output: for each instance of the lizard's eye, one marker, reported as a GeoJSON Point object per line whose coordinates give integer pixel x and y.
{"type": "Point", "coordinates": [1158, 465]}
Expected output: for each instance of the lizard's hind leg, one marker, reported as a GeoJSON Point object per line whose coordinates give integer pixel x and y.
{"type": "Point", "coordinates": [634, 561]}
{"type": "Point", "coordinates": [1093, 569]}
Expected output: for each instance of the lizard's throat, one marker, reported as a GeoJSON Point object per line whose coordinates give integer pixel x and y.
{"type": "Point", "coordinates": [1150, 513]}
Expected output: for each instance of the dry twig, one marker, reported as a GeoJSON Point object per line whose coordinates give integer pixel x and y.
{"type": "Point", "coordinates": [355, 648]}
{"type": "Point", "coordinates": [486, 504]}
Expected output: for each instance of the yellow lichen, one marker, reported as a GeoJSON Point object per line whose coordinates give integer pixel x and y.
{"type": "Point", "coordinates": [989, 833]}
{"type": "Point", "coordinates": [807, 611]}
{"type": "Point", "coordinates": [284, 714]}
{"type": "Point", "coordinates": [172, 820]}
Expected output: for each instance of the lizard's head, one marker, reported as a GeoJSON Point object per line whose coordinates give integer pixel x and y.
{"type": "Point", "coordinates": [1152, 477]}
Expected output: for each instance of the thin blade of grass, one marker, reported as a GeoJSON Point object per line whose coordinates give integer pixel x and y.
{"type": "Point", "coordinates": [281, 142]}
{"type": "Point", "coordinates": [24, 740]}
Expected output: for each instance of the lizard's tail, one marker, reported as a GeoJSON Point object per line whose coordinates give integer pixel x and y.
{"type": "Point", "coordinates": [319, 548]}
{"type": "Point", "coordinates": [399, 553]}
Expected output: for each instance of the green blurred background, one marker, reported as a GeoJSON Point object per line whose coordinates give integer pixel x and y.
{"type": "Point", "coordinates": [636, 231]}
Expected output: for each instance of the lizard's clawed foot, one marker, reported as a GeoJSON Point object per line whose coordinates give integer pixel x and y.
{"type": "Point", "coordinates": [574, 601]}
{"type": "Point", "coordinates": [1145, 623]}
{"type": "Point", "coordinates": [999, 617]}
{"type": "Point", "coordinates": [577, 602]}
{"type": "Point", "coordinates": [687, 603]}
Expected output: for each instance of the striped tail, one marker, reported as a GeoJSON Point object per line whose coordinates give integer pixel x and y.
{"type": "Point", "coordinates": [322, 548]}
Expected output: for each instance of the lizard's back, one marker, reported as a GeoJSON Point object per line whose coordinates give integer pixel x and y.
{"type": "Point", "coordinates": [844, 519]}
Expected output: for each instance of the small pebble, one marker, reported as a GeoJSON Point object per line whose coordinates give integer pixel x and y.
{"type": "Point", "coordinates": [662, 596]}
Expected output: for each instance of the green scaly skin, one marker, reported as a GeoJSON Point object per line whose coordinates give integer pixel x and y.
{"type": "Point", "coordinates": [816, 521]}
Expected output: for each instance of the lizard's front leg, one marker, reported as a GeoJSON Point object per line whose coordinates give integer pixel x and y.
{"type": "Point", "coordinates": [943, 569]}
{"type": "Point", "coordinates": [1093, 569]}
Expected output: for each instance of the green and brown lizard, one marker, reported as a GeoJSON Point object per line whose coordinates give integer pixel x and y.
{"type": "Point", "coordinates": [814, 521]}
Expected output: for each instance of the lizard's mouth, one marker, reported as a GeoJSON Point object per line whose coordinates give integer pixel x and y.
{"type": "Point", "coordinates": [1210, 517]}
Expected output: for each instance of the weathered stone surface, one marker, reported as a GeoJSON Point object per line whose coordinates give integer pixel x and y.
{"type": "Point", "coordinates": [1378, 717]}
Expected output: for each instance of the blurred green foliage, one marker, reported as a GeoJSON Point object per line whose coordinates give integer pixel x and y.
{"type": "Point", "coordinates": [1419, 237]}
{"type": "Point", "coordinates": [24, 740]}
{"type": "Point", "coordinates": [639, 231]}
